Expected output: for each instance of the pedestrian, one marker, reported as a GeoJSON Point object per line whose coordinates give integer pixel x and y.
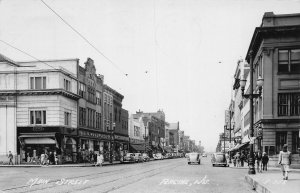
{"type": "Point", "coordinates": [248, 158]}
{"type": "Point", "coordinates": [238, 159]}
{"type": "Point", "coordinates": [265, 160]}
{"type": "Point", "coordinates": [95, 158]}
{"type": "Point", "coordinates": [234, 161]}
{"type": "Point", "coordinates": [285, 161]}
{"type": "Point", "coordinates": [100, 159]}
{"type": "Point", "coordinates": [10, 157]}
{"type": "Point", "coordinates": [42, 159]}
{"type": "Point", "coordinates": [51, 158]}
{"type": "Point", "coordinates": [46, 158]}
{"type": "Point", "coordinates": [55, 158]}
{"type": "Point", "coordinates": [258, 159]}
{"type": "Point", "coordinates": [242, 159]}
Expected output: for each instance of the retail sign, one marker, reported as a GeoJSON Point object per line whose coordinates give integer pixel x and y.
{"type": "Point", "coordinates": [38, 129]}
{"type": "Point", "coordinates": [227, 117]}
{"type": "Point", "coordinates": [121, 138]}
{"type": "Point", "coordinates": [94, 135]}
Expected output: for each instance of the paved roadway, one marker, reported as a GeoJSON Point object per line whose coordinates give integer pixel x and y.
{"type": "Point", "coordinates": [173, 175]}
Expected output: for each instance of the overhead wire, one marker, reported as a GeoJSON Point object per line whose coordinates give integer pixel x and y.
{"type": "Point", "coordinates": [27, 54]}
{"type": "Point", "coordinates": [84, 38]}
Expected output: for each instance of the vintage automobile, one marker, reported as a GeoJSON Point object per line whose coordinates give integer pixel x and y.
{"type": "Point", "coordinates": [219, 159]}
{"type": "Point", "coordinates": [194, 158]}
{"type": "Point", "coordinates": [129, 157]}
{"type": "Point", "coordinates": [138, 157]}
{"type": "Point", "coordinates": [204, 155]}
{"type": "Point", "coordinates": [146, 158]}
{"type": "Point", "coordinates": [158, 156]}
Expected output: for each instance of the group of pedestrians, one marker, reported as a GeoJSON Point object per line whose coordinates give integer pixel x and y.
{"type": "Point", "coordinates": [49, 159]}
{"type": "Point", "coordinates": [239, 159]}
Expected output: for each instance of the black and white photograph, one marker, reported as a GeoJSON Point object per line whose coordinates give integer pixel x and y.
{"type": "Point", "coordinates": [149, 96]}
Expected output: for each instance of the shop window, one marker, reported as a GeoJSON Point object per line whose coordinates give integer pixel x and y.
{"type": "Point", "coordinates": [37, 117]}
{"type": "Point", "coordinates": [289, 61]}
{"type": "Point", "coordinates": [38, 83]}
{"type": "Point", "coordinates": [281, 138]}
{"type": "Point", "coordinates": [295, 142]}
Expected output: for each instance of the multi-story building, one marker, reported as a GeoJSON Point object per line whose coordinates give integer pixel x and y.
{"type": "Point", "coordinates": [275, 50]}
{"type": "Point", "coordinates": [174, 136]}
{"type": "Point", "coordinates": [91, 134]}
{"type": "Point", "coordinates": [38, 109]}
{"type": "Point", "coordinates": [137, 130]}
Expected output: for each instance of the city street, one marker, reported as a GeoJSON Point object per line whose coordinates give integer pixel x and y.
{"type": "Point", "coordinates": [171, 175]}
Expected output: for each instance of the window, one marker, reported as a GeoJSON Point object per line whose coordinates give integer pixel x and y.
{"type": "Point", "coordinates": [67, 118]}
{"type": "Point", "coordinates": [37, 117]}
{"type": "Point", "coordinates": [295, 142]}
{"type": "Point", "coordinates": [280, 140]}
{"type": "Point", "coordinates": [136, 131]}
{"type": "Point", "coordinates": [82, 116]}
{"type": "Point", "coordinates": [38, 83]}
{"type": "Point", "coordinates": [82, 90]}
{"type": "Point", "coordinates": [260, 67]}
{"type": "Point", "coordinates": [288, 104]}
{"type": "Point", "coordinates": [91, 94]}
{"type": "Point", "coordinates": [98, 98]}
{"type": "Point", "coordinates": [67, 85]}
{"type": "Point", "coordinates": [98, 120]}
{"type": "Point", "coordinates": [289, 61]}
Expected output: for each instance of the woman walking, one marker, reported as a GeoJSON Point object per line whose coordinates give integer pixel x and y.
{"type": "Point", "coordinates": [285, 161]}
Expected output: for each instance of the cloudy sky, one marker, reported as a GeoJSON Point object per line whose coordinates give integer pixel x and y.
{"type": "Point", "coordinates": [180, 55]}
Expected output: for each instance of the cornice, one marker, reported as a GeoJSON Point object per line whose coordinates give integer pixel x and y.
{"type": "Point", "coordinates": [39, 92]}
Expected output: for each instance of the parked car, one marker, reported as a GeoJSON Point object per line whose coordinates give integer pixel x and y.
{"type": "Point", "coordinates": [204, 155]}
{"type": "Point", "coordinates": [158, 156]}
{"type": "Point", "coordinates": [138, 157]}
{"type": "Point", "coordinates": [219, 159]}
{"type": "Point", "coordinates": [129, 157]}
{"type": "Point", "coordinates": [194, 158]}
{"type": "Point", "coordinates": [146, 158]}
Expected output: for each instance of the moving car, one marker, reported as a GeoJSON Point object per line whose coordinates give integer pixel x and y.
{"type": "Point", "coordinates": [194, 158]}
{"type": "Point", "coordinates": [146, 158]}
{"type": "Point", "coordinates": [219, 159]}
{"type": "Point", "coordinates": [129, 157]}
{"type": "Point", "coordinates": [138, 157]}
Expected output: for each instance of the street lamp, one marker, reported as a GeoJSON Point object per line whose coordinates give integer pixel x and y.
{"type": "Point", "coordinates": [230, 129]}
{"type": "Point", "coordinates": [111, 131]}
{"type": "Point", "coordinates": [251, 96]}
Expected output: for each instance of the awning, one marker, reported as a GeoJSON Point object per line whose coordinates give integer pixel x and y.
{"type": "Point", "coordinates": [137, 147]}
{"type": "Point", "coordinates": [238, 146]}
{"type": "Point", "coordinates": [39, 140]}
{"type": "Point", "coordinates": [36, 135]}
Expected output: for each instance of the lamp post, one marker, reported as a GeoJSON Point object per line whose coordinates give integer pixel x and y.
{"type": "Point", "coordinates": [230, 129]}
{"type": "Point", "coordinates": [251, 96]}
{"type": "Point", "coordinates": [111, 132]}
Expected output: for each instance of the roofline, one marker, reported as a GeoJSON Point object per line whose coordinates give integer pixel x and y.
{"type": "Point", "coordinates": [50, 60]}
{"type": "Point", "coordinates": [260, 30]}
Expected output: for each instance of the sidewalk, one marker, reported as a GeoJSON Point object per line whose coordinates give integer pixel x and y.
{"type": "Point", "coordinates": [272, 182]}
{"type": "Point", "coordinates": [63, 165]}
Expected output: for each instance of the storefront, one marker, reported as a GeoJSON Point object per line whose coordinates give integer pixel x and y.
{"type": "Point", "coordinates": [33, 141]}
{"type": "Point", "coordinates": [92, 142]}
{"type": "Point", "coordinates": [121, 143]}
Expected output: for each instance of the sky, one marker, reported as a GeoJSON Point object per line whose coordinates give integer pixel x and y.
{"type": "Point", "coordinates": [179, 55]}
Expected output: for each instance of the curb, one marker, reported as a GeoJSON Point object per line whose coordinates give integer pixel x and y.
{"type": "Point", "coordinates": [53, 166]}
{"type": "Point", "coordinates": [256, 185]}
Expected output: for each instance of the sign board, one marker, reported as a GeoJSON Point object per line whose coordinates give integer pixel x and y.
{"type": "Point", "coordinates": [227, 117]}
{"type": "Point", "coordinates": [252, 140]}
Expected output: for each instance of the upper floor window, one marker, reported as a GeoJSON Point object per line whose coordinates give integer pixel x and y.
{"type": "Point", "coordinates": [38, 82]}
{"type": "Point", "coordinates": [289, 61]}
{"type": "Point", "coordinates": [136, 131]}
{"type": "Point", "coordinates": [67, 85]}
{"type": "Point", "coordinates": [98, 98]}
{"type": "Point", "coordinates": [82, 89]}
{"type": "Point", "coordinates": [37, 117]}
{"type": "Point", "coordinates": [288, 104]}
{"type": "Point", "coordinates": [67, 118]}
